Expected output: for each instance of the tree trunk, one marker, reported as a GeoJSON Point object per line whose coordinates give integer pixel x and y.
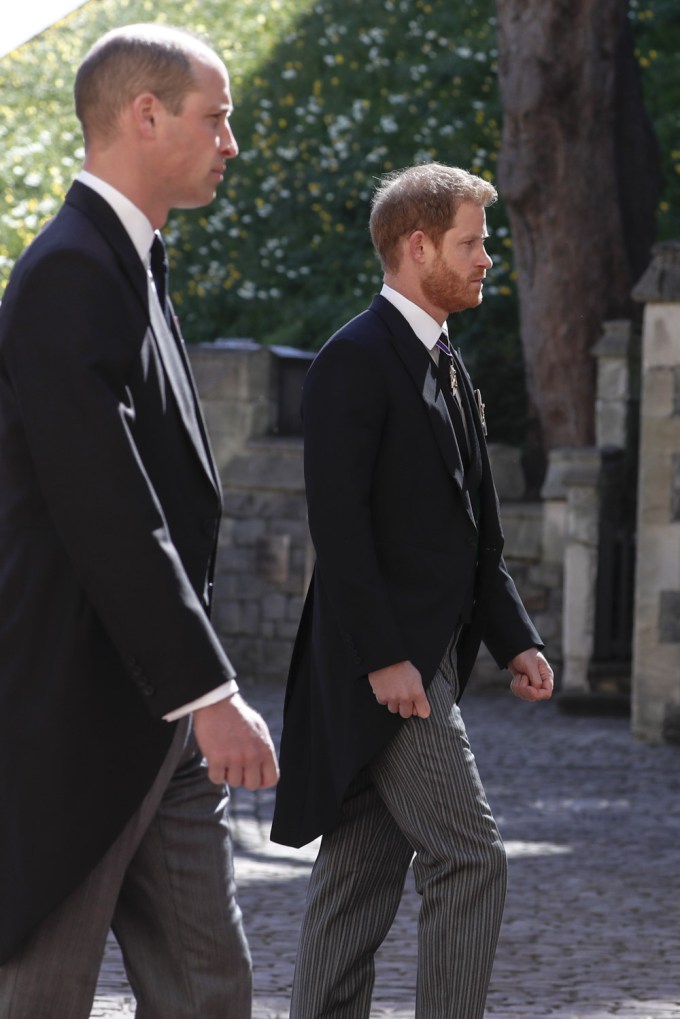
{"type": "Point", "coordinates": [579, 173]}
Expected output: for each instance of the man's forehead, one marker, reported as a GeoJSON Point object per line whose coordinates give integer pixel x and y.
{"type": "Point", "coordinates": [212, 80]}
{"type": "Point", "coordinates": [470, 217]}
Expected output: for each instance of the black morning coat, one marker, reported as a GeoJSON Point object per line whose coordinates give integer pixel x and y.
{"type": "Point", "coordinates": [109, 512]}
{"type": "Point", "coordinates": [400, 553]}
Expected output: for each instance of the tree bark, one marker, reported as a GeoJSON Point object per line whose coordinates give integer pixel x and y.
{"type": "Point", "coordinates": [579, 173]}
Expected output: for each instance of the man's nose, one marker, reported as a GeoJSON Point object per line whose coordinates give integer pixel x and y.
{"type": "Point", "coordinates": [229, 146]}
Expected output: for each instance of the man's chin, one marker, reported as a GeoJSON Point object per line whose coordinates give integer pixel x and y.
{"type": "Point", "coordinates": [472, 303]}
{"type": "Point", "coordinates": [196, 201]}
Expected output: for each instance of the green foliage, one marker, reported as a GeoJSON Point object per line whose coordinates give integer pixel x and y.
{"type": "Point", "coordinates": [353, 90]}
{"type": "Point", "coordinates": [329, 94]}
{"type": "Point", "coordinates": [657, 31]}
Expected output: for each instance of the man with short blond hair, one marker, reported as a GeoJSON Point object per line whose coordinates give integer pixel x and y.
{"type": "Point", "coordinates": [120, 720]}
{"type": "Point", "coordinates": [409, 579]}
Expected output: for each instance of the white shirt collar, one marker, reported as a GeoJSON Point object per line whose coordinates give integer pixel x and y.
{"type": "Point", "coordinates": [423, 325]}
{"type": "Point", "coordinates": [133, 219]}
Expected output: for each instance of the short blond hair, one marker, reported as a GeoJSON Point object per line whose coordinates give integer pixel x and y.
{"type": "Point", "coordinates": [129, 61]}
{"type": "Point", "coordinates": [423, 197]}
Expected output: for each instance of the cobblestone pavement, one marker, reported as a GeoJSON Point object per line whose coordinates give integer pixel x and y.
{"type": "Point", "coordinates": [591, 821]}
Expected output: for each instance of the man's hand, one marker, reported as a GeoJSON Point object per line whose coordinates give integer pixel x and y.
{"type": "Point", "coordinates": [532, 677]}
{"type": "Point", "coordinates": [236, 743]}
{"type": "Point", "coordinates": [400, 688]}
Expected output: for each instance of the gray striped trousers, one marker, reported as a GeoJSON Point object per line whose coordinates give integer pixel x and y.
{"type": "Point", "coordinates": [422, 796]}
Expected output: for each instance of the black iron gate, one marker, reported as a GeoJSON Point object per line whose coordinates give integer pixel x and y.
{"type": "Point", "coordinates": [614, 604]}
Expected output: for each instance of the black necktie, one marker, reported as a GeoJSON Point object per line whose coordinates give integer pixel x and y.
{"type": "Point", "coordinates": [159, 267]}
{"type": "Point", "coordinates": [454, 407]}
{"type": "Point", "coordinates": [159, 271]}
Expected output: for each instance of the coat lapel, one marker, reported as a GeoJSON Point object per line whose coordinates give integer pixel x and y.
{"type": "Point", "coordinates": [100, 213]}
{"type": "Point", "coordinates": [168, 342]}
{"type": "Point", "coordinates": [422, 370]}
{"type": "Point", "coordinates": [490, 523]}
{"type": "Point", "coordinates": [170, 347]}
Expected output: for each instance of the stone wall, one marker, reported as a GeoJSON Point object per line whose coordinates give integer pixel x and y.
{"type": "Point", "coordinates": [656, 663]}
{"type": "Point", "coordinates": [265, 557]}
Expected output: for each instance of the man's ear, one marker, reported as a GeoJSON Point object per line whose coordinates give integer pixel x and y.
{"type": "Point", "coordinates": [145, 109]}
{"type": "Point", "coordinates": [417, 246]}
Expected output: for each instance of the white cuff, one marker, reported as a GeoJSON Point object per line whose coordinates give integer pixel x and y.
{"type": "Point", "coordinates": [220, 693]}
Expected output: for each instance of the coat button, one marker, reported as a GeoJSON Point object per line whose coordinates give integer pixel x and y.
{"type": "Point", "coordinates": [141, 681]}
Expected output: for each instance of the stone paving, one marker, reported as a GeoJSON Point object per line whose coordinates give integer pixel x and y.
{"type": "Point", "coordinates": [591, 821]}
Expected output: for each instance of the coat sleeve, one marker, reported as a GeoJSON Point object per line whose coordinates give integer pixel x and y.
{"type": "Point", "coordinates": [507, 629]}
{"type": "Point", "coordinates": [71, 346]}
{"type": "Point", "coordinates": [344, 407]}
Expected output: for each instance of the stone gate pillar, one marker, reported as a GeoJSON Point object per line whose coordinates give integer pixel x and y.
{"type": "Point", "coordinates": [581, 482]}
{"type": "Point", "coordinates": [656, 646]}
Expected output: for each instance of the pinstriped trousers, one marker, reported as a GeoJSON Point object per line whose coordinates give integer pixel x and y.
{"type": "Point", "coordinates": [421, 796]}
{"type": "Point", "coordinates": [166, 886]}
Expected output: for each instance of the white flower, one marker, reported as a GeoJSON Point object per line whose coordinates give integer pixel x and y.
{"type": "Point", "coordinates": [388, 124]}
{"type": "Point", "coordinates": [377, 155]}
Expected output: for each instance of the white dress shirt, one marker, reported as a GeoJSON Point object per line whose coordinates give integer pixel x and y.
{"type": "Point", "coordinates": [426, 328]}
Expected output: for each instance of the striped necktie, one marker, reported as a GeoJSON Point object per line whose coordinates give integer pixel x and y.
{"type": "Point", "coordinates": [448, 382]}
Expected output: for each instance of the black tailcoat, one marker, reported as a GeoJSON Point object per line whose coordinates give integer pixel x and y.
{"type": "Point", "coordinates": [109, 513]}
{"type": "Point", "coordinates": [401, 554]}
